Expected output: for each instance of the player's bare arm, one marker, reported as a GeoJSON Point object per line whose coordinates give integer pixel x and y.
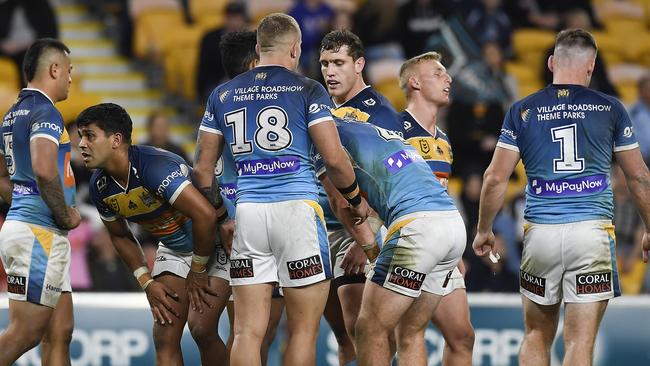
{"type": "Point", "coordinates": [339, 170]}
{"type": "Point", "coordinates": [44, 155]}
{"type": "Point", "coordinates": [638, 181]}
{"type": "Point", "coordinates": [495, 183]}
{"type": "Point", "coordinates": [365, 245]}
{"type": "Point", "coordinates": [209, 147]}
{"type": "Point", "coordinates": [5, 183]}
{"type": "Point", "coordinates": [158, 294]}
{"type": "Point", "coordinates": [204, 222]}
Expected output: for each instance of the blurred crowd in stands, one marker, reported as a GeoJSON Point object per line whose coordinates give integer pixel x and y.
{"type": "Point", "coordinates": [496, 51]}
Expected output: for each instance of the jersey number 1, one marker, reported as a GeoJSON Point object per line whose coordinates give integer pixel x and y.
{"type": "Point", "coordinates": [569, 162]}
{"type": "Point", "coordinates": [271, 134]}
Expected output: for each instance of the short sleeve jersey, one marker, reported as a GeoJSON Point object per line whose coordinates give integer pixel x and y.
{"type": "Point", "coordinates": [566, 136]}
{"type": "Point", "coordinates": [264, 115]}
{"type": "Point", "coordinates": [156, 179]}
{"type": "Point", "coordinates": [34, 116]}
{"type": "Point", "coordinates": [394, 176]}
{"type": "Point", "coordinates": [434, 149]}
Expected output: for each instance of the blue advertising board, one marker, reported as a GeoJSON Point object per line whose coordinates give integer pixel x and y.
{"type": "Point", "coordinates": [115, 329]}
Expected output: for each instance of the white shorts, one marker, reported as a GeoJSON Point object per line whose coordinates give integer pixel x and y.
{"type": "Point", "coordinates": [420, 250]}
{"type": "Point", "coordinates": [340, 241]}
{"type": "Point", "coordinates": [574, 262]}
{"type": "Point", "coordinates": [284, 242]}
{"type": "Point", "coordinates": [37, 262]}
{"type": "Point", "coordinates": [453, 280]}
{"type": "Point", "coordinates": [178, 263]}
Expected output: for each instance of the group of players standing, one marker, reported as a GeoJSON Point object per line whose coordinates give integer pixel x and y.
{"type": "Point", "coordinates": [312, 188]}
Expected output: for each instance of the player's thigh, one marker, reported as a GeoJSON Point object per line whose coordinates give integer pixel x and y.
{"type": "Point", "coordinates": [28, 319]}
{"type": "Point", "coordinates": [381, 309]}
{"type": "Point", "coordinates": [62, 321]}
{"type": "Point", "coordinates": [300, 248]}
{"type": "Point", "coordinates": [541, 270]}
{"type": "Point", "coordinates": [209, 318]}
{"type": "Point", "coordinates": [305, 305]}
{"type": "Point", "coordinates": [581, 320]}
{"type": "Point", "coordinates": [540, 318]}
{"type": "Point", "coordinates": [37, 261]}
{"type": "Point", "coordinates": [252, 260]}
{"type": "Point", "coordinates": [177, 285]}
{"type": "Point", "coordinates": [417, 316]}
{"type": "Point", "coordinates": [252, 309]}
{"type": "Point", "coordinates": [590, 262]}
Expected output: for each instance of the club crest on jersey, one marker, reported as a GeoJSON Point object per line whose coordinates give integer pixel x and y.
{"type": "Point", "coordinates": [424, 146]}
{"type": "Point", "coordinates": [223, 96]}
{"type": "Point", "coordinates": [260, 76]}
{"type": "Point", "coordinates": [369, 102]}
{"type": "Point", "coordinates": [563, 93]}
{"type": "Point", "coordinates": [101, 184]}
{"type": "Point", "coordinates": [407, 125]}
{"type": "Point", "coordinates": [147, 199]}
{"type": "Point", "coordinates": [112, 203]}
{"type": "Point", "coordinates": [525, 115]}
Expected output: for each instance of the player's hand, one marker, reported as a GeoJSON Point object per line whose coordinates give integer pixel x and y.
{"type": "Point", "coordinates": [354, 261]}
{"type": "Point", "coordinates": [645, 247]}
{"type": "Point", "coordinates": [483, 243]}
{"type": "Point", "coordinates": [160, 296]}
{"type": "Point", "coordinates": [73, 220]}
{"type": "Point", "coordinates": [226, 232]}
{"type": "Point", "coordinates": [360, 212]}
{"type": "Point", "coordinates": [198, 288]}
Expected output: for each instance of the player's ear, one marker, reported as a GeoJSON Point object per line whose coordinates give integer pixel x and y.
{"type": "Point", "coordinates": [359, 64]}
{"type": "Point", "coordinates": [54, 70]}
{"type": "Point", "coordinates": [590, 68]}
{"type": "Point", "coordinates": [257, 49]}
{"type": "Point", "coordinates": [550, 63]}
{"type": "Point", "coordinates": [414, 82]}
{"type": "Point", "coordinates": [117, 139]}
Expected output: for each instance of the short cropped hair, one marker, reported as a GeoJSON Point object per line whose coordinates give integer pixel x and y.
{"type": "Point", "coordinates": [273, 28]}
{"type": "Point", "coordinates": [237, 52]}
{"type": "Point", "coordinates": [37, 53]}
{"type": "Point", "coordinates": [575, 39]}
{"type": "Point", "coordinates": [334, 40]}
{"type": "Point", "coordinates": [406, 70]}
{"type": "Point", "coordinates": [108, 117]}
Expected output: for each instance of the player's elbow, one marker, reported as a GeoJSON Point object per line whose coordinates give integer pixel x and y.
{"type": "Point", "coordinates": [43, 171]}
{"type": "Point", "coordinates": [202, 174]}
{"type": "Point", "coordinates": [204, 216]}
{"type": "Point", "coordinates": [491, 177]}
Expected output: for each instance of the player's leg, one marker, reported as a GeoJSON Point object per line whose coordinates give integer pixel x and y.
{"type": "Point", "coordinates": [277, 308]}
{"type": "Point", "coordinates": [411, 347]}
{"type": "Point", "coordinates": [581, 323]}
{"type": "Point", "coordinates": [167, 337]}
{"type": "Point", "coordinates": [252, 309]}
{"type": "Point", "coordinates": [230, 308]}
{"type": "Point", "coordinates": [27, 324]}
{"type": "Point", "coordinates": [304, 306]}
{"type": "Point", "coordinates": [452, 319]}
{"type": "Point", "coordinates": [55, 345]}
{"type": "Point", "coordinates": [350, 295]}
{"type": "Point", "coordinates": [203, 326]}
{"type": "Point", "coordinates": [334, 315]}
{"type": "Point", "coordinates": [540, 324]}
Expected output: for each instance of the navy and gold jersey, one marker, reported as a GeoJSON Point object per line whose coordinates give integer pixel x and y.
{"type": "Point", "coordinates": [34, 116]}
{"type": "Point", "coordinates": [156, 179]}
{"type": "Point", "coordinates": [369, 106]}
{"type": "Point", "coordinates": [264, 115]}
{"type": "Point", "coordinates": [566, 136]}
{"type": "Point", "coordinates": [436, 150]}
{"type": "Point", "coordinates": [395, 178]}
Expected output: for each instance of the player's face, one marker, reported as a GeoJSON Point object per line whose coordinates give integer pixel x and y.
{"type": "Point", "coordinates": [95, 146]}
{"type": "Point", "coordinates": [340, 71]}
{"type": "Point", "coordinates": [435, 82]}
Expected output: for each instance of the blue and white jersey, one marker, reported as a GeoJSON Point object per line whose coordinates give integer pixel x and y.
{"type": "Point", "coordinates": [566, 136]}
{"type": "Point", "coordinates": [372, 107]}
{"type": "Point", "coordinates": [264, 115]}
{"type": "Point", "coordinates": [34, 116]}
{"type": "Point", "coordinates": [156, 179]}
{"type": "Point", "coordinates": [395, 178]}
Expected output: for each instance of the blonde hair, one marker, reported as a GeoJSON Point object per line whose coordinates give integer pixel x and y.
{"type": "Point", "coordinates": [274, 30]}
{"type": "Point", "coordinates": [406, 70]}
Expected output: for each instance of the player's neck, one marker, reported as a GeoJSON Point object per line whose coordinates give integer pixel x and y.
{"type": "Point", "coordinates": [118, 167]}
{"type": "Point", "coordinates": [43, 87]}
{"type": "Point", "coordinates": [425, 113]}
{"type": "Point", "coordinates": [272, 58]}
{"type": "Point", "coordinates": [358, 86]}
{"type": "Point", "coordinates": [570, 77]}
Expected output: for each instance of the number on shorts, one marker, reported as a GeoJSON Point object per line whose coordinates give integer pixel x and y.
{"type": "Point", "coordinates": [8, 142]}
{"type": "Point", "coordinates": [272, 133]}
{"type": "Point", "coordinates": [569, 160]}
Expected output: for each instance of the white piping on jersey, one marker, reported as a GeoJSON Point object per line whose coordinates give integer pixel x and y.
{"type": "Point", "coordinates": [418, 122]}
{"type": "Point", "coordinates": [344, 103]}
{"type": "Point", "coordinates": [128, 178]}
{"type": "Point", "coordinates": [40, 91]}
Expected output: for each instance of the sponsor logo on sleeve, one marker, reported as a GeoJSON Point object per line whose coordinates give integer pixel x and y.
{"type": "Point", "coordinates": [628, 132]}
{"type": "Point", "coordinates": [47, 126]}
{"type": "Point", "coordinates": [241, 268]}
{"type": "Point", "coordinates": [303, 268]}
{"type": "Point", "coordinates": [229, 190]}
{"type": "Point", "coordinates": [407, 278]}
{"type": "Point", "coordinates": [509, 133]}
{"type": "Point", "coordinates": [27, 189]}
{"type": "Point", "coordinates": [593, 283]}
{"type": "Point", "coordinates": [581, 186]}
{"type": "Point", "coordinates": [16, 284]}
{"type": "Point", "coordinates": [178, 173]}
{"type": "Point", "coordinates": [534, 284]}
{"type": "Point", "coordinates": [208, 116]}
{"type": "Point", "coordinates": [279, 165]}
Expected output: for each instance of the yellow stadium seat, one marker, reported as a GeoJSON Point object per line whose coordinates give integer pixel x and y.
{"type": "Point", "coordinates": [152, 30]}
{"type": "Point", "coordinates": [9, 74]}
{"type": "Point", "coordinates": [208, 9]}
{"type": "Point", "coordinates": [526, 41]}
{"type": "Point", "coordinates": [624, 26]}
{"type": "Point", "coordinates": [628, 92]}
{"type": "Point", "coordinates": [181, 66]}
{"type": "Point", "coordinates": [77, 101]}
{"type": "Point", "coordinates": [8, 97]}
{"type": "Point", "coordinates": [524, 73]}
{"type": "Point", "coordinates": [391, 90]}
{"type": "Point", "coordinates": [610, 47]}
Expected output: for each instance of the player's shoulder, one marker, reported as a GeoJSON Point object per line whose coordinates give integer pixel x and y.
{"type": "Point", "coordinates": [375, 101]}
{"type": "Point", "coordinates": [600, 97]}
{"type": "Point", "coordinates": [144, 156]}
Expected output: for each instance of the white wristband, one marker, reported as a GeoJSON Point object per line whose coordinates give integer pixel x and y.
{"type": "Point", "coordinates": [140, 271]}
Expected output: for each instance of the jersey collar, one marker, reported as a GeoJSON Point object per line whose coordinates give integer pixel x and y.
{"type": "Point", "coordinates": [348, 101]}
{"type": "Point", "coordinates": [40, 91]}
{"type": "Point", "coordinates": [420, 124]}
